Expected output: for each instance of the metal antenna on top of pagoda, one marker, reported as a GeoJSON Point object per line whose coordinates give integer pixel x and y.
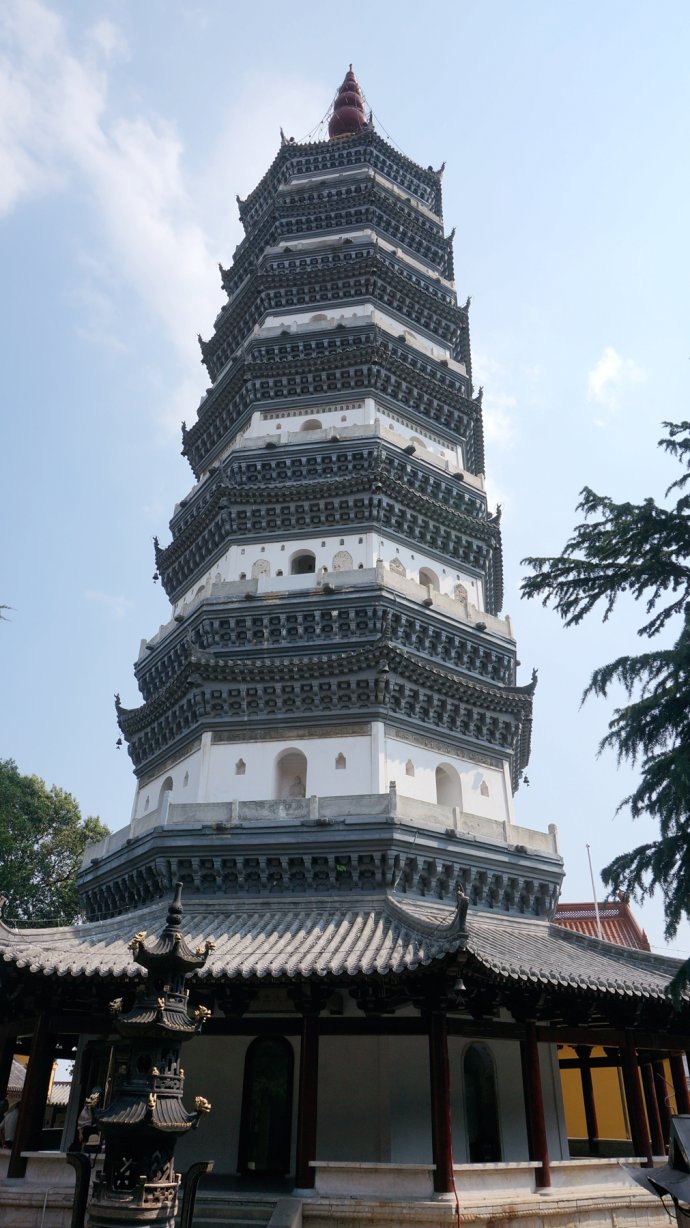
{"type": "Point", "coordinates": [146, 1116]}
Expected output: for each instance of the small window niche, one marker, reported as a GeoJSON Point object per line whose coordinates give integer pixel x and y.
{"type": "Point", "coordinates": [240, 767]}
{"type": "Point", "coordinates": [409, 768]}
{"type": "Point", "coordinates": [340, 762]}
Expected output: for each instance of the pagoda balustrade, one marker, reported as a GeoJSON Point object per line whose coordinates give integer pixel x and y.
{"type": "Point", "coordinates": [405, 381]}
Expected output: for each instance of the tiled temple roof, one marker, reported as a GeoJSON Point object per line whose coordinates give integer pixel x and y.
{"type": "Point", "coordinates": [617, 922]}
{"type": "Point", "coordinates": [253, 939]}
{"type": "Point", "coordinates": [531, 950]}
{"type": "Point", "coordinates": [387, 934]}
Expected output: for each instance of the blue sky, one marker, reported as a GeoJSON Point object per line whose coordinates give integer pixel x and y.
{"type": "Point", "coordinates": [125, 131]}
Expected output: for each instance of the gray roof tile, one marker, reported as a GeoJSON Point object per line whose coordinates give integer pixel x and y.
{"type": "Point", "coordinates": [308, 936]}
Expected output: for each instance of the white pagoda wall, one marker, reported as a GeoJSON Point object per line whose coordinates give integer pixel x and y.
{"type": "Point", "coordinates": [223, 772]}
{"type": "Point", "coordinates": [364, 549]}
{"type": "Point", "coordinates": [374, 1100]}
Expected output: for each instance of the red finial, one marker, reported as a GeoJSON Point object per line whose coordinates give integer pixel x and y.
{"type": "Point", "coordinates": [348, 110]}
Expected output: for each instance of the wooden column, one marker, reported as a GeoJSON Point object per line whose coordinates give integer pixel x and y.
{"type": "Point", "coordinates": [534, 1105]}
{"type": "Point", "coordinates": [633, 1095]}
{"type": "Point", "coordinates": [680, 1083]}
{"type": "Point", "coordinates": [653, 1119]}
{"type": "Point", "coordinates": [34, 1096]}
{"type": "Point", "coordinates": [308, 1101]}
{"type": "Point", "coordinates": [583, 1053]}
{"type": "Point", "coordinates": [661, 1089]}
{"type": "Point", "coordinates": [6, 1054]}
{"type": "Point", "coordinates": [441, 1128]}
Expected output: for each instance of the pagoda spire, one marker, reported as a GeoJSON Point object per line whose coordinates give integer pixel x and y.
{"type": "Point", "coordinates": [349, 116]}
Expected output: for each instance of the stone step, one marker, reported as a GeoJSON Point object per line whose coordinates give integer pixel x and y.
{"type": "Point", "coordinates": [207, 1221]}
{"type": "Point", "coordinates": [216, 1209]}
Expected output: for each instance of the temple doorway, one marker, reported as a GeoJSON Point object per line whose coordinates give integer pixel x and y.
{"type": "Point", "coordinates": [265, 1125]}
{"type": "Point", "coordinates": [481, 1105]}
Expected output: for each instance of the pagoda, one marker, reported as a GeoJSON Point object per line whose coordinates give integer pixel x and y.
{"type": "Point", "coordinates": [335, 573]}
{"type": "Point", "coordinates": [328, 741]}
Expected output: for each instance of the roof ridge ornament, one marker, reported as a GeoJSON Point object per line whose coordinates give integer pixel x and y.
{"type": "Point", "coordinates": [348, 117]}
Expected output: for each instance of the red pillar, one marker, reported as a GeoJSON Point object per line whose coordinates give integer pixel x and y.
{"type": "Point", "coordinates": [583, 1053]}
{"type": "Point", "coordinates": [680, 1083]}
{"type": "Point", "coordinates": [633, 1094]}
{"type": "Point", "coordinates": [34, 1096]}
{"type": "Point", "coordinates": [441, 1128]}
{"type": "Point", "coordinates": [534, 1105]}
{"type": "Point", "coordinates": [647, 1073]}
{"type": "Point", "coordinates": [662, 1093]}
{"type": "Point", "coordinates": [307, 1102]}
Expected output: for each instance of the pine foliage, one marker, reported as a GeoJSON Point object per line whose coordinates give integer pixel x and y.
{"type": "Point", "coordinates": [642, 550]}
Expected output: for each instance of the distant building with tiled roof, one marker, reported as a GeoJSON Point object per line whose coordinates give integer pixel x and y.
{"type": "Point", "coordinates": [617, 923]}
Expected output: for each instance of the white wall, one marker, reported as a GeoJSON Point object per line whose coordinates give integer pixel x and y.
{"type": "Point", "coordinates": [186, 777]}
{"type": "Point", "coordinates": [364, 549]}
{"type": "Point", "coordinates": [498, 804]}
{"type": "Point", "coordinates": [246, 771]}
{"type": "Point", "coordinates": [410, 1100]}
{"type": "Point", "coordinates": [511, 1111]}
{"type": "Point", "coordinates": [353, 1099]}
{"type": "Point", "coordinates": [374, 1099]}
{"type": "Point", "coordinates": [323, 777]}
{"type": "Point", "coordinates": [334, 417]}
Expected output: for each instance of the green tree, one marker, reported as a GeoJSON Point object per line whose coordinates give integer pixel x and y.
{"type": "Point", "coordinates": [640, 549]}
{"type": "Point", "coordinates": [42, 842]}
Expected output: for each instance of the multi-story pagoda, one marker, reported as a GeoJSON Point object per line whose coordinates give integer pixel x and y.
{"type": "Point", "coordinates": [330, 736]}
{"type": "Point", "coordinates": [335, 572]}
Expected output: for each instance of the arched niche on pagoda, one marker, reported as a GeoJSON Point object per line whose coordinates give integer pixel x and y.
{"type": "Point", "coordinates": [448, 792]}
{"type": "Point", "coordinates": [302, 563]}
{"type": "Point", "coordinates": [291, 774]}
{"type": "Point", "coordinates": [428, 577]}
{"type": "Point", "coordinates": [165, 795]}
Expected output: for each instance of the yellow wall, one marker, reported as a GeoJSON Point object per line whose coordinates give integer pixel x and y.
{"type": "Point", "coordinates": [612, 1118]}
{"type": "Point", "coordinates": [609, 1098]}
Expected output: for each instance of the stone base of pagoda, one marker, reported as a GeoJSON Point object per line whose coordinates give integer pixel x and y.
{"type": "Point", "coordinates": [532, 1211]}
{"type": "Point", "coordinates": [595, 1193]}
{"type": "Point", "coordinates": [501, 1180]}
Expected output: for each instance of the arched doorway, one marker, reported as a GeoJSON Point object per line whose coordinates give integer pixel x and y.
{"type": "Point", "coordinates": [265, 1124]}
{"type": "Point", "coordinates": [481, 1105]}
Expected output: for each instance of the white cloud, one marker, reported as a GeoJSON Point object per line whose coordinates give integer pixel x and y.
{"type": "Point", "coordinates": [498, 405]}
{"type": "Point", "coordinates": [163, 231]}
{"type": "Point", "coordinates": [108, 38]}
{"type": "Point", "coordinates": [117, 606]}
{"type": "Point", "coordinates": [610, 376]}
